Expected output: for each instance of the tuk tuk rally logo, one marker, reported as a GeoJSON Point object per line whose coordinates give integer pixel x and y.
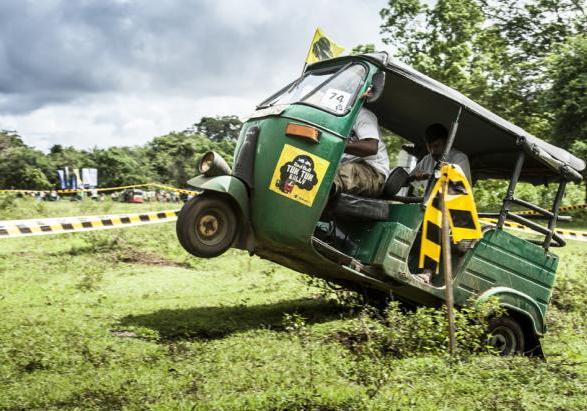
{"type": "Point", "coordinates": [298, 175]}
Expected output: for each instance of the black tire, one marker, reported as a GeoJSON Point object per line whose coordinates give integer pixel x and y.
{"type": "Point", "coordinates": [206, 226]}
{"type": "Point", "coordinates": [506, 336]}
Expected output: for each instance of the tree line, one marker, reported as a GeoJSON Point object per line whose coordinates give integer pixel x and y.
{"type": "Point", "coordinates": [170, 158]}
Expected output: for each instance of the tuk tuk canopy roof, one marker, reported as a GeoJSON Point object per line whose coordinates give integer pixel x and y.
{"type": "Point", "coordinates": [411, 101]}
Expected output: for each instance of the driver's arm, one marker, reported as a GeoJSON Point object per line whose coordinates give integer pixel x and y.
{"type": "Point", "coordinates": [366, 130]}
{"type": "Point", "coordinates": [362, 148]}
{"type": "Point", "coordinates": [422, 169]}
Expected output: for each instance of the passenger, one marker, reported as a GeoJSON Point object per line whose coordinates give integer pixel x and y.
{"type": "Point", "coordinates": [365, 165]}
{"type": "Point", "coordinates": [435, 137]}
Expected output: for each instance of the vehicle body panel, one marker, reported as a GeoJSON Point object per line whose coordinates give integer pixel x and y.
{"type": "Point", "coordinates": [224, 184]}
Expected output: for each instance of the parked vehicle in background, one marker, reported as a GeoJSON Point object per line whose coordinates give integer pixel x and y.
{"type": "Point", "coordinates": [133, 196]}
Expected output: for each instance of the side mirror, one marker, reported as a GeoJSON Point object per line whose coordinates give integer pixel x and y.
{"type": "Point", "coordinates": [377, 85]}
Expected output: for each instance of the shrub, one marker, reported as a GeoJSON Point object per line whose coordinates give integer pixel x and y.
{"type": "Point", "coordinates": [423, 331]}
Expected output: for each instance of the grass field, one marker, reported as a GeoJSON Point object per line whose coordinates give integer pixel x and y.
{"type": "Point", "coordinates": [125, 319]}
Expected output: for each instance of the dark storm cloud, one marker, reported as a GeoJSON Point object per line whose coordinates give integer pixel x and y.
{"type": "Point", "coordinates": [51, 51]}
{"type": "Point", "coordinates": [112, 72]}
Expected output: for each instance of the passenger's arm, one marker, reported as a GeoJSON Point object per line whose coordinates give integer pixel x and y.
{"type": "Point", "coordinates": [420, 172]}
{"type": "Point", "coordinates": [362, 148]}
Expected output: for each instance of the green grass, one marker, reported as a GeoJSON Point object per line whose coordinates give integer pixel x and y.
{"type": "Point", "coordinates": [125, 319]}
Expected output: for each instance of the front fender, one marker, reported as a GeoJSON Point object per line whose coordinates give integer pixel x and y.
{"type": "Point", "coordinates": [224, 184]}
{"type": "Point", "coordinates": [519, 302]}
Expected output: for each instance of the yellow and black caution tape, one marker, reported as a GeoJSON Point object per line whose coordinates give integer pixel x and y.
{"type": "Point", "coordinates": [80, 190]}
{"type": "Point", "coordinates": [567, 234]}
{"type": "Point", "coordinates": [76, 190]}
{"type": "Point", "coordinates": [562, 209]}
{"type": "Point", "coordinates": [45, 226]}
{"type": "Point", "coordinates": [177, 190]}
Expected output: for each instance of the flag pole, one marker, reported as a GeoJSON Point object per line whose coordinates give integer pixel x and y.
{"type": "Point", "coordinates": [309, 50]}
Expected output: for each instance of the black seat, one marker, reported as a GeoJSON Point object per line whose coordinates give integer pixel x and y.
{"type": "Point", "coordinates": [371, 209]}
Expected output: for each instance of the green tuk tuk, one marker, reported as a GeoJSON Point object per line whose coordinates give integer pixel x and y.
{"type": "Point", "coordinates": [287, 154]}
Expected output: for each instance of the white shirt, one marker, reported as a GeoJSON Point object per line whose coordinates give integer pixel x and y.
{"type": "Point", "coordinates": [426, 165]}
{"type": "Point", "coordinates": [366, 127]}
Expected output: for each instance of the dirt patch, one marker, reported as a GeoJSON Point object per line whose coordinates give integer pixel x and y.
{"type": "Point", "coordinates": [145, 258]}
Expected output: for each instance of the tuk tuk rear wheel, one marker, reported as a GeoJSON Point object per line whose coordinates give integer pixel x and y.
{"type": "Point", "coordinates": [206, 226]}
{"type": "Point", "coordinates": [506, 336]}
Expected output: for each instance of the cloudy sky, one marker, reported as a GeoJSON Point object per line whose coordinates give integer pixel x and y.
{"type": "Point", "coordinates": [119, 72]}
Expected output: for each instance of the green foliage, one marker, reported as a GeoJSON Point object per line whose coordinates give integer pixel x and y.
{"type": "Point", "coordinates": [422, 332]}
{"type": "Point", "coordinates": [489, 194]}
{"type": "Point", "coordinates": [171, 158]}
{"type": "Point", "coordinates": [393, 143]}
{"type": "Point", "coordinates": [119, 166]}
{"type": "Point", "coordinates": [363, 49]}
{"type": "Point", "coordinates": [174, 157]}
{"type": "Point", "coordinates": [218, 128]}
{"type": "Point", "coordinates": [10, 139]}
{"type": "Point", "coordinates": [7, 203]}
{"type": "Point", "coordinates": [69, 157]}
{"type": "Point", "coordinates": [21, 166]}
{"type": "Point", "coordinates": [128, 320]}
{"type": "Point", "coordinates": [498, 52]}
{"type": "Point", "coordinates": [90, 279]}
{"type": "Point", "coordinates": [566, 98]}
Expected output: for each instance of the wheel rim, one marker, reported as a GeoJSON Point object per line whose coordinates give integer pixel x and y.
{"type": "Point", "coordinates": [211, 227]}
{"type": "Point", "coordinates": [504, 340]}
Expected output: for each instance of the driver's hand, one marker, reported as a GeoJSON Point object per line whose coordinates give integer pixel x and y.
{"type": "Point", "coordinates": [420, 175]}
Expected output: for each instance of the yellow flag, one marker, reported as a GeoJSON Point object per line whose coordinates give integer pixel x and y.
{"type": "Point", "coordinates": [322, 48]}
{"type": "Point", "coordinates": [463, 220]}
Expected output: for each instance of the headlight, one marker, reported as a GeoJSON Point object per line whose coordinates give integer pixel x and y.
{"type": "Point", "coordinates": [212, 165]}
{"type": "Point", "coordinates": [206, 162]}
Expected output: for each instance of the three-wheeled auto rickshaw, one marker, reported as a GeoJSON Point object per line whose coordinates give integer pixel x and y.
{"type": "Point", "coordinates": [272, 200]}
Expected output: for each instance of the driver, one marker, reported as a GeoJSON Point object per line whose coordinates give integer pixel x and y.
{"type": "Point", "coordinates": [435, 137]}
{"type": "Point", "coordinates": [365, 165]}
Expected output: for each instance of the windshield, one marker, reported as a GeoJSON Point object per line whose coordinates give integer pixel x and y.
{"type": "Point", "coordinates": [333, 91]}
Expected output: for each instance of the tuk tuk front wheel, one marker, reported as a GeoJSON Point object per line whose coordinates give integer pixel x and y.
{"type": "Point", "coordinates": [506, 336]}
{"type": "Point", "coordinates": [206, 226]}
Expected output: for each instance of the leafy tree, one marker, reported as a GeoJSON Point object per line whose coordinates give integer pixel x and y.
{"type": "Point", "coordinates": [492, 50]}
{"type": "Point", "coordinates": [119, 166]}
{"type": "Point", "coordinates": [174, 157]}
{"type": "Point", "coordinates": [579, 148]}
{"type": "Point", "coordinates": [567, 97]}
{"type": "Point", "coordinates": [60, 157]}
{"type": "Point", "coordinates": [9, 139]}
{"type": "Point", "coordinates": [218, 128]}
{"type": "Point", "coordinates": [363, 49]}
{"type": "Point", "coordinates": [21, 167]}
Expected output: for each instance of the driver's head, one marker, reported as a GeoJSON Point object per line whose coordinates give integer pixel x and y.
{"type": "Point", "coordinates": [435, 137]}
